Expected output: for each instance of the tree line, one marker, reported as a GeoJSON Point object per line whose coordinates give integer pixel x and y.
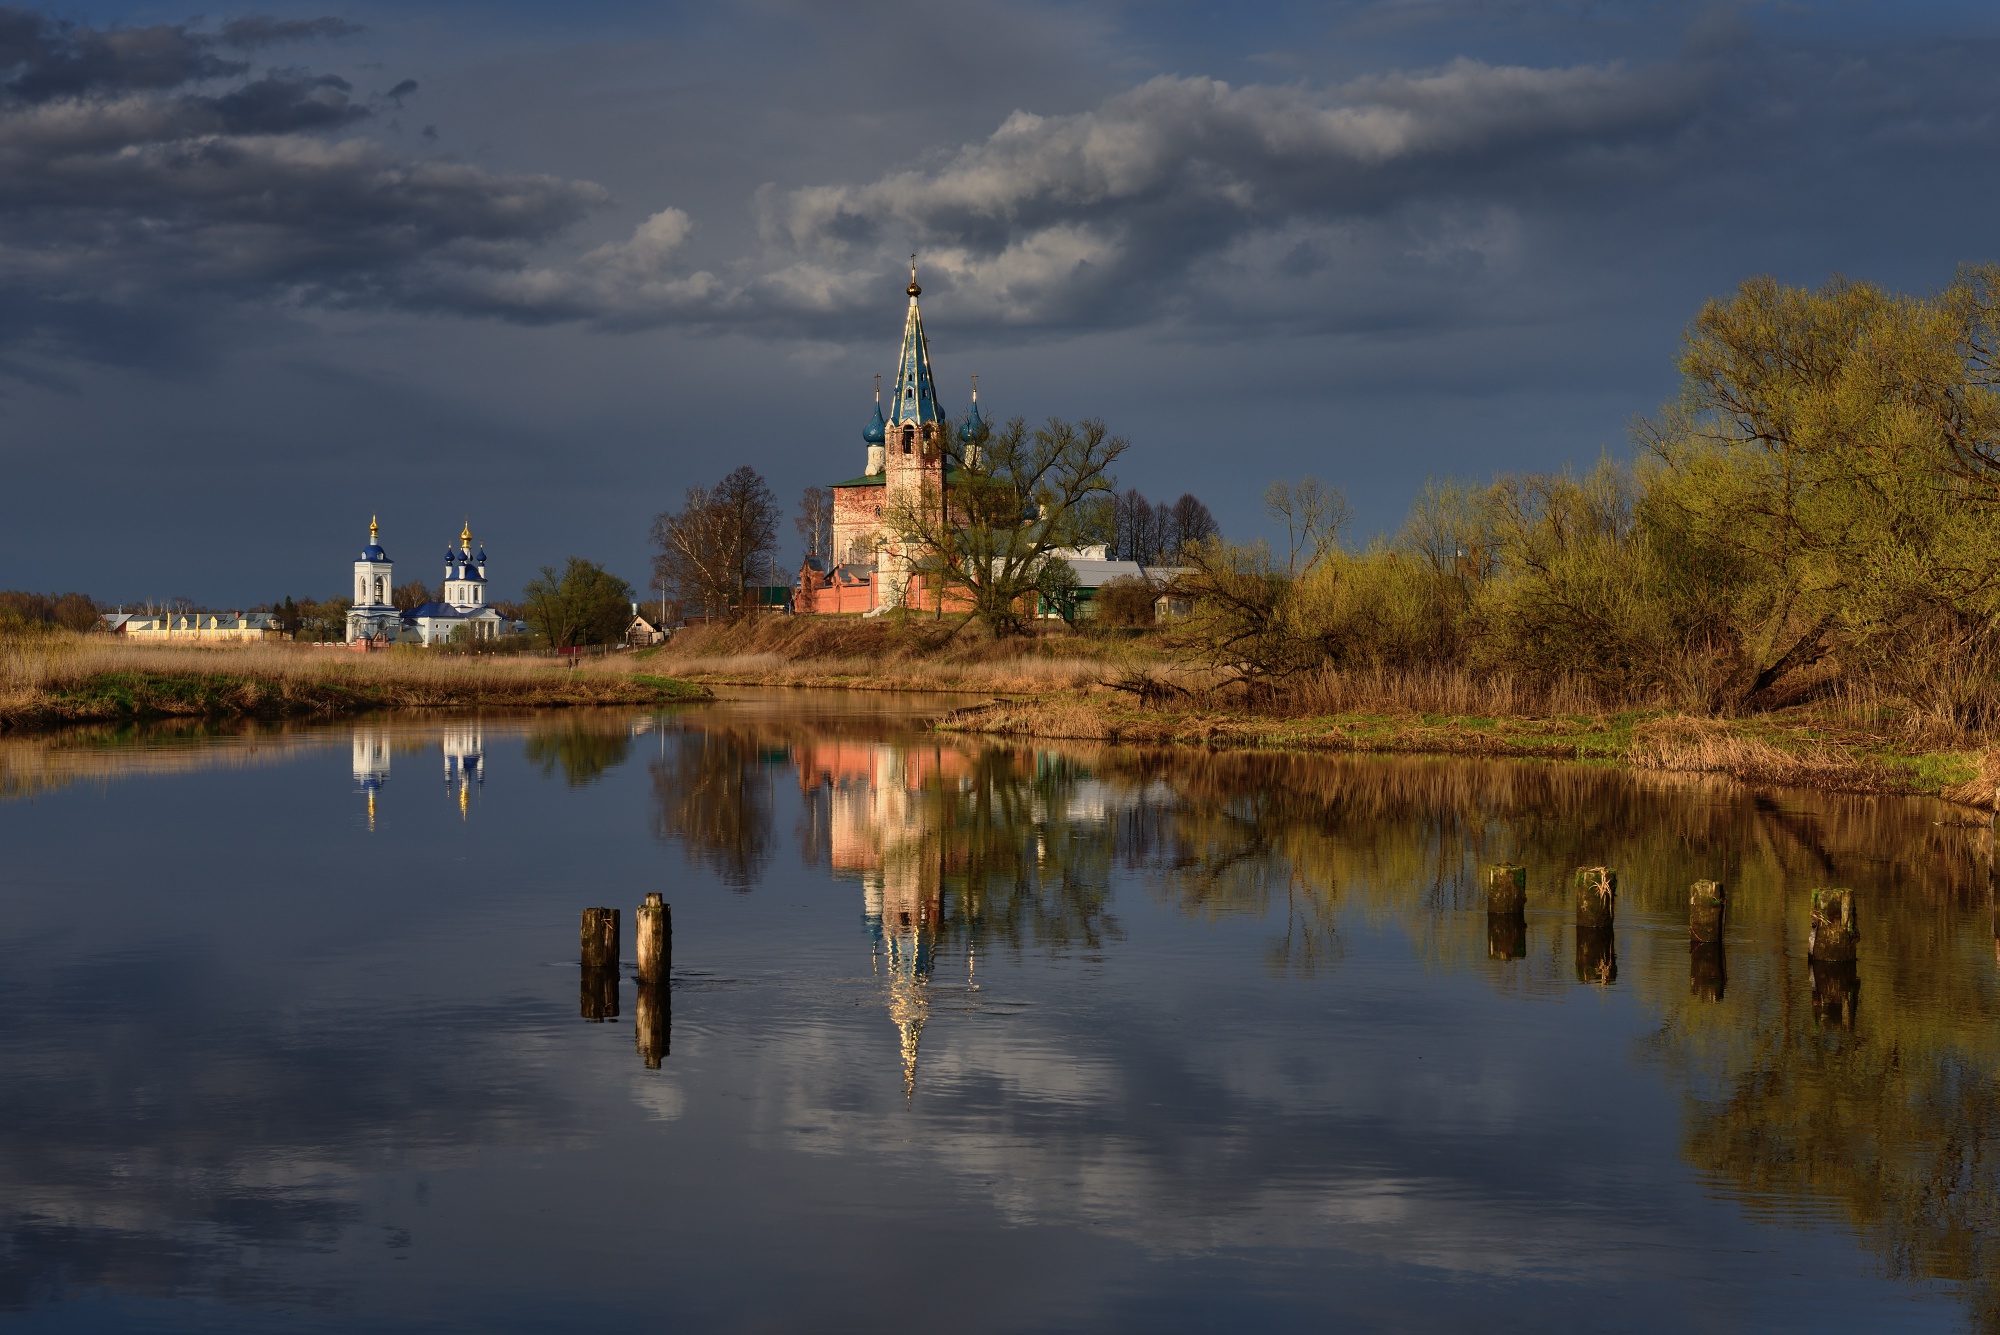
{"type": "Point", "coordinates": [1817, 510]}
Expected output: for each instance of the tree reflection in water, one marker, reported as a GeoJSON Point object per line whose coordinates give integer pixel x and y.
{"type": "Point", "coordinates": [712, 794]}
{"type": "Point", "coordinates": [583, 747]}
{"type": "Point", "coordinates": [1796, 1094]}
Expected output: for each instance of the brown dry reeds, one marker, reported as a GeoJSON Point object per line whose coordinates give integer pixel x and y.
{"type": "Point", "coordinates": [48, 678]}
{"type": "Point", "coordinates": [906, 653]}
{"type": "Point", "coordinates": [1458, 691]}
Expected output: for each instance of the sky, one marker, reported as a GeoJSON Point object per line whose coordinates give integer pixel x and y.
{"type": "Point", "coordinates": [267, 272]}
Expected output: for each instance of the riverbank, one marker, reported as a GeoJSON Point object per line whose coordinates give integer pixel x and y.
{"type": "Point", "coordinates": [56, 680]}
{"type": "Point", "coordinates": [1126, 687]}
{"type": "Point", "coordinates": [1788, 749]}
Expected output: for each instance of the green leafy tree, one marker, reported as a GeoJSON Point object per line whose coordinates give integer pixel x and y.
{"type": "Point", "coordinates": [1833, 464]}
{"type": "Point", "coordinates": [583, 604]}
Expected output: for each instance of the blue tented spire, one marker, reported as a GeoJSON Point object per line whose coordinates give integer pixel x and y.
{"type": "Point", "coordinates": [915, 399]}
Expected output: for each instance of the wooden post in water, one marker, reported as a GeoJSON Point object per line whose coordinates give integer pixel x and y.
{"type": "Point", "coordinates": [598, 987]}
{"type": "Point", "coordinates": [1706, 902]}
{"type": "Point", "coordinates": [653, 940]}
{"type": "Point", "coordinates": [1708, 976]}
{"type": "Point", "coordinates": [600, 939]}
{"type": "Point", "coordinates": [1596, 912]}
{"type": "Point", "coordinates": [1506, 911]}
{"type": "Point", "coordinates": [1834, 930]}
{"type": "Point", "coordinates": [1506, 888]}
{"type": "Point", "coordinates": [1596, 897]}
{"type": "Point", "coordinates": [1830, 952]}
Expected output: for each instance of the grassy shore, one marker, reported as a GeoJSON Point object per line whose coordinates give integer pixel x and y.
{"type": "Point", "coordinates": [1081, 686]}
{"type": "Point", "coordinates": [52, 679]}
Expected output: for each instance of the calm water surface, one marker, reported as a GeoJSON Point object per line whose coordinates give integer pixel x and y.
{"type": "Point", "coordinates": [996, 1038]}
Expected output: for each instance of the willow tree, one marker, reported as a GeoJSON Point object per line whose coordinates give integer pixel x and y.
{"type": "Point", "coordinates": [1013, 501]}
{"type": "Point", "coordinates": [1833, 462]}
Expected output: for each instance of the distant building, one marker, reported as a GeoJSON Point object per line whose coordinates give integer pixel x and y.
{"type": "Point", "coordinates": [644, 630]}
{"type": "Point", "coordinates": [193, 627]}
{"type": "Point", "coordinates": [909, 464]}
{"type": "Point", "coordinates": [374, 615]}
{"type": "Point", "coordinates": [462, 613]}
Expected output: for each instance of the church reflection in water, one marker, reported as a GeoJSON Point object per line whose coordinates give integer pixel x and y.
{"type": "Point", "coordinates": [883, 829]}
{"type": "Point", "coordinates": [463, 746]}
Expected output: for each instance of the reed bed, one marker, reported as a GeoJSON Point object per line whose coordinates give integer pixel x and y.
{"type": "Point", "coordinates": [59, 677]}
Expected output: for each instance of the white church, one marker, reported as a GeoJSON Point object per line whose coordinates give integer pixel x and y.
{"type": "Point", "coordinates": [461, 614]}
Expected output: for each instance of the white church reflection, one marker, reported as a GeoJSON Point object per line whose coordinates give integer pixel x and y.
{"type": "Point", "coordinates": [464, 762]}
{"type": "Point", "coordinates": [463, 746]}
{"type": "Point", "coordinates": [371, 765]}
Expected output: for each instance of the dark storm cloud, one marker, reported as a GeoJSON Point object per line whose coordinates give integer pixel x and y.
{"type": "Point", "coordinates": [142, 166]}
{"type": "Point", "coordinates": [129, 174]}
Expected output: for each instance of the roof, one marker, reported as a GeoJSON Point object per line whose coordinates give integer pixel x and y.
{"type": "Point", "coordinates": [1091, 574]}
{"type": "Point", "coordinates": [952, 472]}
{"type": "Point", "coordinates": [372, 552]}
{"type": "Point", "coordinates": [436, 611]}
{"type": "Point", "coordinates": [915, 399]}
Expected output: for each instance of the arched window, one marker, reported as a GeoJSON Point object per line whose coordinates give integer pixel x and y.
{"type": "Point", "coordinates": [909, 438]}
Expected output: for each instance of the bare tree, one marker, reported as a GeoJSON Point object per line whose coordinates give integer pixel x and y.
{"type": "Point", "coordinates": [1024, 494]}
{"type": "Point", "coordinates": [1190, 522]}
{"type": "Point", "coordinates": [719, 543]}
{"type": "Point", "coordinates": [815, 523]}
{"type": "Point", "coordinates": [1137, 524]}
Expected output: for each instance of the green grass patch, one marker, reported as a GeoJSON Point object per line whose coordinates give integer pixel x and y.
{"type": "Point", "coordinates": [672, 687]}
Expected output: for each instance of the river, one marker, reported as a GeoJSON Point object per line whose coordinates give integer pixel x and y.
{"type": "Point", "coordinates": [998, 1037]}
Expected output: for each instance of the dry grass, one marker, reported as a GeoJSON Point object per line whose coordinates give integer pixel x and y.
{"type": "Point", "coordinates": [1456, 691]}
{"type": "Point", "coordinates": [897, 654]}
{"type": "Point", "coordinates": [58, 677]}
{"type": "Point", "coordinates": [1702, 745]}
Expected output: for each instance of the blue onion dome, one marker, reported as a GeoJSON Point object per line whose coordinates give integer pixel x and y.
{"type": "Point", "coordinates": [974, 424]}
{"type": "Point", "coordinates": [876, 431]}
{"type": "Point", "coordinates": [481, 558]}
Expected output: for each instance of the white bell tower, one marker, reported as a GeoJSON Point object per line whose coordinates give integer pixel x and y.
{"type": "Point", "coordinates": [374, 575]}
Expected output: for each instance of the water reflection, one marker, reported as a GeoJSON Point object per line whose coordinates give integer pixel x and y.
{"type": "Point", "coordinates": [961, 847]}
{"type": "Point", "coordinates": [1259, 1004]}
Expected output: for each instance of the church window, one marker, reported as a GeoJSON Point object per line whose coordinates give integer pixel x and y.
{"type": "Point", "coordinates": [909, 437]}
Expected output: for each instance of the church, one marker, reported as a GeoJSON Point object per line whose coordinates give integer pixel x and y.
{"type": "Point", "coordinates": [462, 613]}
{"type": "Point", "coordinates": [909, 464]}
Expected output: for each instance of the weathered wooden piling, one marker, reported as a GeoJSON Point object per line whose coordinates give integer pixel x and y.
{"type": "Point", "coordinates": [600, 939]}
{"type": "Point", "coordinates": [1834, 930]}
{"type": "Point", "coordinates": [1506, 888]}
{"type": "Point", "coordinates": [1836, 993]}
{"type": "Point", "coordinates": [653, 939]}
{"type": "Point", "coordinates": [654, 1015]}
{"type": "Point", "coordinates": [1706, 903]}
{"type": "Point", "coordinates": [1596, 897]}
{"type": "Point", "coordinates": [598, 986]}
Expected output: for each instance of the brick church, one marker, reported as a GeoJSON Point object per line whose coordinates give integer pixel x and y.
{"type": "Point", "coordinates": [909, 464]}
